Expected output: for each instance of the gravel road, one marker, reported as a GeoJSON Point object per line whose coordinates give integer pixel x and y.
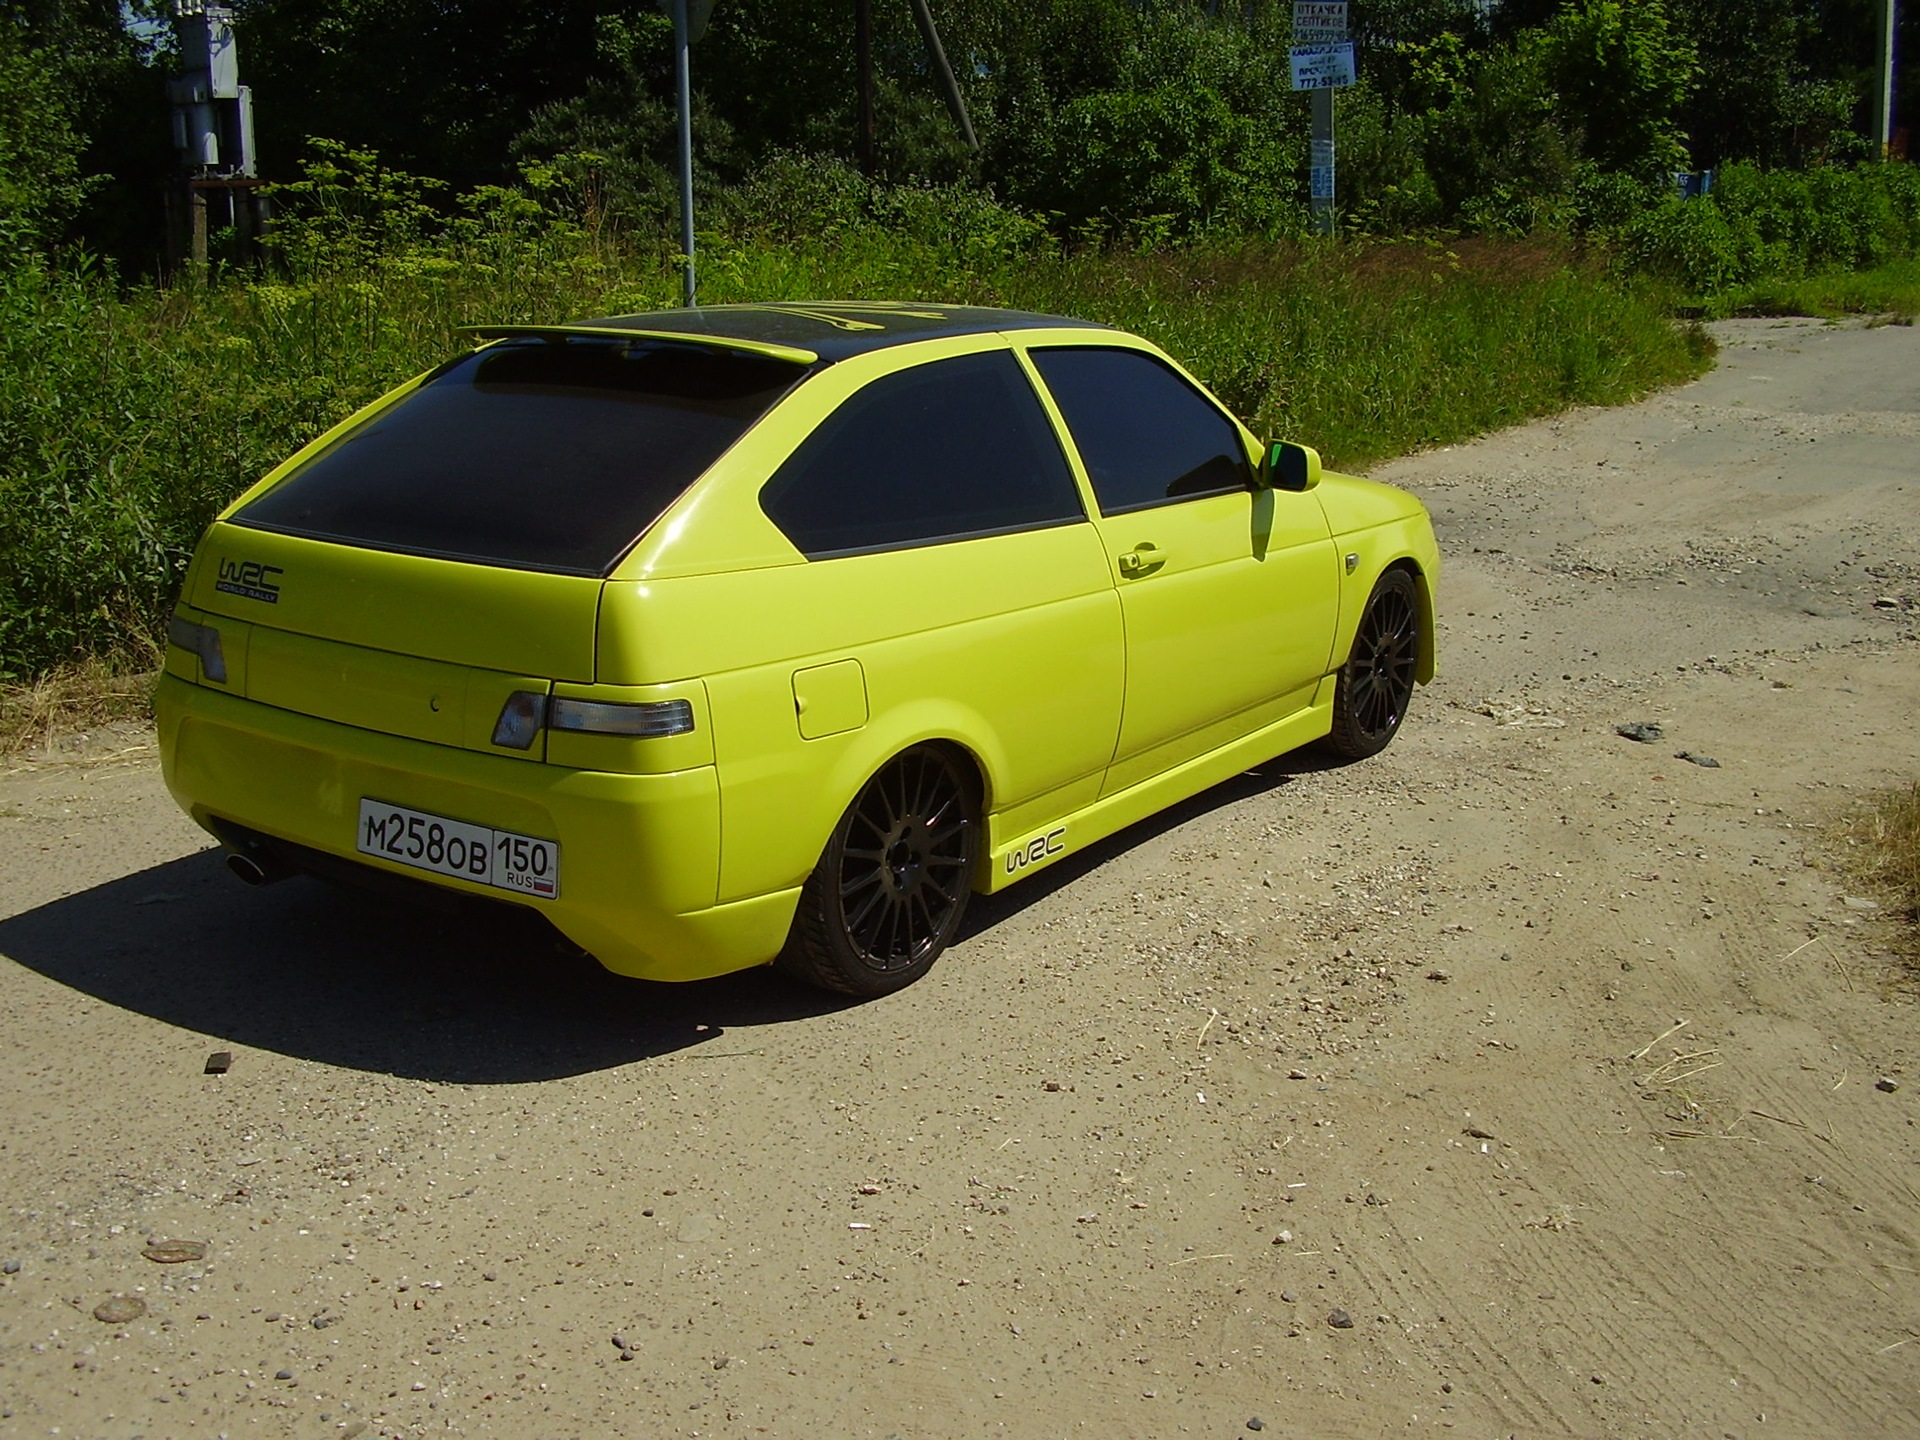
{"type": "Point", "coordinates": [1520, 1081]}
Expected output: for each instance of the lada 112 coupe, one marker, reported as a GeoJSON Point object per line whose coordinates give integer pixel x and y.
{"type": "Point", "coordinates": [767, 633]}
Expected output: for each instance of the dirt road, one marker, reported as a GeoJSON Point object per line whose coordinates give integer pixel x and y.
{"type": "Point", "coordinates": [1520, 1082]}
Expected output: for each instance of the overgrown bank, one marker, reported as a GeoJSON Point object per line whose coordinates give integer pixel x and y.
{"type": "Point", "coordinates": [128, 421]}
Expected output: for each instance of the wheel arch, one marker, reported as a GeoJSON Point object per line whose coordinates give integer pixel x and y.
{"type": "Point", "coordinates": [1429, 650]}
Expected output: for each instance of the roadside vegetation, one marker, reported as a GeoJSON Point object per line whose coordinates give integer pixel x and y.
{"type": "Point", "coordinates": [1509, 244]}
{"type": "Point", "coordinates": [1883, 851]}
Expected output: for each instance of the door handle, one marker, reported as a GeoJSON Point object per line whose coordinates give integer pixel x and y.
{"type": "Point", "coordinates": [1143, 559]}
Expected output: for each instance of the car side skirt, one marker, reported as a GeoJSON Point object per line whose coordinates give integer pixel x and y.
{"type": "Point", "coordinates": [1011, 858]}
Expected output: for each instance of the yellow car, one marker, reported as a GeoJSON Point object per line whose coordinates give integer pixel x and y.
{"type": "Point", "coordinates": [767, 633]}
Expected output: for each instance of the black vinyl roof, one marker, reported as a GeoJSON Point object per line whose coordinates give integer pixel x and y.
{"type": "Point", "coordinates": [831, 329]}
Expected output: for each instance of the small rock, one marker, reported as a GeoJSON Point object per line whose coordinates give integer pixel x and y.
{"type": "Point", "coordinates": [1705, 762]}
{"type": "Point", "coordinates": [1340, 1320]}
{"type": "Point", "coordinates": [1288, 1297]}
{"type": "Point", "coordinates": [626, 1354]}
{"type": "Point", "coordinates": [1051, 1087]}
{"type": "Point", "coordinates": [1887, 602]}
{"type": "Point", "coordinates": [119, 1309]}
{"type": "Point", "coordinates": [1886, 1083]}
{"type": "Point", "coordinates": [419, 1385]}
{"type": "Point", "coordinates": [1296, 1074]}
{"type": "Point", "coordinates": [1446, 1387]}
{"type": "Point", "coordinates": [1643, 731]}
{"type": "Point", "coordinates": [1443, 976]}
{"type": "Point", "coordinates": [1477, 1133]}
{"type": "Point", "coordinates": [10, 1267]}
{"type": "Point", "coordinates": [173, 1252]}
{"type": "Point", "coordinates": [1254, 1422]}
{"type": "Point", "coordinates": [321, 1322]}
{"type": "Point", "coordinates": [1858, 902]}
{"type": "Point", "coordinates": [620, 1343]}
{"type": "Point", "coordinates": [218, 1063]}
{"type": "Point", "coordinates": [283, 1374]}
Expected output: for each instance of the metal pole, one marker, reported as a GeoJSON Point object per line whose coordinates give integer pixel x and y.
{"type": "Point", "coordinates": [683, 77]}
{"type": "Point", "coordinates": [923, 17]}
{"type": "Point", "coordinates": [1322, 154]}
{"type": "Point", "coordinates": [1883, 100]}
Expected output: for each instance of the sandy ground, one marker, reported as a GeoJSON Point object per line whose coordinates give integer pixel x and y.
{"type": "Point", "coordinates": [1519, 1082]}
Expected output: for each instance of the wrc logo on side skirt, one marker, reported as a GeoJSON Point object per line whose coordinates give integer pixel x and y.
{"type": "Point", "coordinates": [1037, 849]}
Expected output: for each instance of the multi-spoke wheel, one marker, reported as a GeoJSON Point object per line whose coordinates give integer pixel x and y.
{"type": "Point", "coordinates": [892, 884]}
{"type": "Point", "coordinates": [1370, 697]}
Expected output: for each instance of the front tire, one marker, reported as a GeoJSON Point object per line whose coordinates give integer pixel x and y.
{"type": "Point", "coordinates": [891, 886]}
{"type": "Point", "coordinates": [1371, 693]}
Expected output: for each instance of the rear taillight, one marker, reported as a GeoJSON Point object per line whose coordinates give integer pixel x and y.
{"type": "Point", "coordinates": [520, 719]}
{"type": "Point", "coordinates": [203, 641]}
{"type": "Point", "coordinates": [652, 719]}
{"type": "Point", "coordinates": [526, 711]}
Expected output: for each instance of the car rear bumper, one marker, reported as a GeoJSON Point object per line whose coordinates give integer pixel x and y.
{"type": "Point", "coordinates": [639, 854]}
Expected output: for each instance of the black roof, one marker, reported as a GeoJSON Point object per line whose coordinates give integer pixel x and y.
{"type": "Point", "coordinates": [832, 329]}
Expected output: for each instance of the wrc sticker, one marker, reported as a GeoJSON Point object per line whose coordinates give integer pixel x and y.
{"type": "Point", "coordinates": [1041, 847]}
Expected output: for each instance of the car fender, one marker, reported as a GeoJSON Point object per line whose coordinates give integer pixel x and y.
{"type": "Point", "coordinates": [1376, 527]}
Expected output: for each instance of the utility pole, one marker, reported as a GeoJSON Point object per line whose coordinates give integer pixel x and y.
{"type": "Point", "coordinates": [683, 82]}
{"type": "Point", "coordinates": [1322, 61]}
{"type": "Point", "coordinates": [1883, 95]}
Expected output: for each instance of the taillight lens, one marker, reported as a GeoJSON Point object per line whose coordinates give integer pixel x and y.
{"type": "Point", "coordinates": [653, 718]}
{"type": "Point", "coordinates": [203, 641]}
{"type": "Point", "coordinates": [520, 719]}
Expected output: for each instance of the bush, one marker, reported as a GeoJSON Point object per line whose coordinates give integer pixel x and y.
{"type": "Point", "coordinates": [1780, 225]}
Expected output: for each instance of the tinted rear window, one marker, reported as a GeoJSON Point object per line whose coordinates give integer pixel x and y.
{"type": "Point", "coordinates": [534, 454]}
{"type": "Point", "coordinates": [949, 450]}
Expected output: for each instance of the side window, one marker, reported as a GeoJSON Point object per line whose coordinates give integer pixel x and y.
{"type": "Point", "coordinates": [1146, 435]}
{"type": "Point", "coordinates": [944, 451]}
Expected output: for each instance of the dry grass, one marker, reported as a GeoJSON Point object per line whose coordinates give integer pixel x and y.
{"type": "Point", "coordinates": [70, 700]}
{"type": "Point", "coordinates": [1883, 848]}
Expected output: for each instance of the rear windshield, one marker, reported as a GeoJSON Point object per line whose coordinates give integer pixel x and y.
{"type": "Point", "coordinates": [536, 454]}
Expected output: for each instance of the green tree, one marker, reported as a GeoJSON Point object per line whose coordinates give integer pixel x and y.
{"type": "Point", "coordinates": [41, 184]}
{"type": "Point", "coordinates": [1622, 73]}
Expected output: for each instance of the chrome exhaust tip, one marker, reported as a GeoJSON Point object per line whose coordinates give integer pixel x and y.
{"type": "Point", "coordinates": [255, 869]}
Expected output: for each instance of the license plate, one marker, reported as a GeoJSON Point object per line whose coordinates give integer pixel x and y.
{"type": "Point", "coordinates": [524, 864]}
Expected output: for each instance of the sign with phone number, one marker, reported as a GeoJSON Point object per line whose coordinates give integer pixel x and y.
{"type": "Point", "coordinates": [1323, 67]}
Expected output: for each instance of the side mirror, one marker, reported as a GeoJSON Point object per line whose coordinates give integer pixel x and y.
{"type": "Point", "coordinates": [1292, 467]}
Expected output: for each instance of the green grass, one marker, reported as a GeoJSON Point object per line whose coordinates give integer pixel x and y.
{"type": "Point", "coordinates": [127, 420]}
{"type": "Point", "coordinates": [1890, 291]}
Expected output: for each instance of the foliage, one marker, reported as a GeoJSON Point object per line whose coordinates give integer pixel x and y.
{"type": "Point", "coordinates": [1780, 225]}
{"type": "Point", "coordinates": [126, 422]}
{"type": "Point", "coordinates": [1621, 74]}
{"type": "Point", "coordinates": [41, 186]}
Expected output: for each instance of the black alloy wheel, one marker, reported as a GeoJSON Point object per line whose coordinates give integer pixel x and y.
{"type": "Point", "coordinates": [1371, 694]}
{"type": "Point", "coordinates": [892, 884]}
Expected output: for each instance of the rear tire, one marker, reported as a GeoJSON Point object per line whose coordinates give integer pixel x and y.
{"type": "Point", "coordinates": [1371, 693]}
{"type": "Point", "coordinates": [891, 887]}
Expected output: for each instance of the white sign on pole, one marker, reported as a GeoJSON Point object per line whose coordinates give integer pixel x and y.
{"type": "Point", "coordinates": [1322, 67]}
{"type": "Point", "coordinates": [1319, 22]}
{"type": "Point", "coordinates": [1320, 170]}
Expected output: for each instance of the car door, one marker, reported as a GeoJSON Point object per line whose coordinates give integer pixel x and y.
{"type": "Point", "coordinates": [1228, 592]}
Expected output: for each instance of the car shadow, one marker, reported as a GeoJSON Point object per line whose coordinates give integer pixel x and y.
{"type": "Point", "coordinates": [480, 994]}
{"type": "Point", "coordinates": [425, 988]}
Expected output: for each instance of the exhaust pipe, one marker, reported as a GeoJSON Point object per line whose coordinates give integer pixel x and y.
{"type": "Point", "coordinates": [256, 867]}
